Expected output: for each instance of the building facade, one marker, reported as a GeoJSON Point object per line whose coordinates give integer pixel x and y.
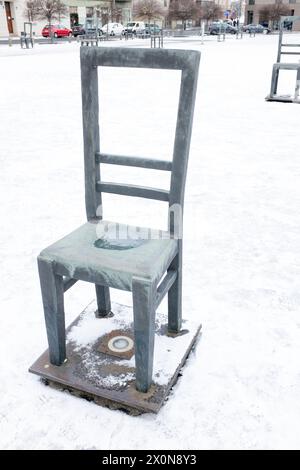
{"type": "Point", "coordinates": [227, 7]}
{"type": "Point", "coordinates": [253, 7]}
{"type": "Point", "coordinates": [12, 16]}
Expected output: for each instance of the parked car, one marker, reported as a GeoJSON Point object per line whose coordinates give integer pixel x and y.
{"type": "Point", "coordinates": [135, 28]}
{"type": "Point", "coordinates": [217, 27]}
{"type": "Point", "coordinates": [152, 28]}
{"type": "Point", "coordinates": [58, 31]}
{"type": "Point", "coordinates": [113, 29]}
{"type": "Point", "coordinates": [256, 28]}
{"type": "Point", "coordinates": [91, 28]}
{"type": "Point", "coordinates": [78, 30]}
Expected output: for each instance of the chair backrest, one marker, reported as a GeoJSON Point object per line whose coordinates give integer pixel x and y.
{"type": "Point", "coordinates": [280, 52]}
{"type": "Point", "coordinates": [91, 59]}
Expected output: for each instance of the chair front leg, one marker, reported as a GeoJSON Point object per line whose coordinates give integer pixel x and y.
{"type": "Point", "coordinates": [297, 87]}
{"type": "Point", "coordinates": [274, 80]}
{"type": "Point", "coordinates": [53, 302]}
{"type": "Point", "coordinates": [143, 294]}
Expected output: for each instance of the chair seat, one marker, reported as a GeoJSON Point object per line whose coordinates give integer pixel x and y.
{"type": "Point", "coordinates": [111, 255]}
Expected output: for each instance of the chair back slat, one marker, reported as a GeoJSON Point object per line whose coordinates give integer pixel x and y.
{"type": "Point", "coordinates": [140, 162]}
{"type": "Point", "coordinates": [133, 190]}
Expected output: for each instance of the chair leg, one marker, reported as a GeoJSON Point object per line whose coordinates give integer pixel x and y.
{"type": "Point", "coordinates": [143, 292]}
{"type": "Point", "coordinates": [297, 87]}
{"type": "Point", "coordinates": [53, 302]}
{"type": "Point", "coordinates": [274, 80]}
{"type": "Point", "coordinates": [103, 301]}
{"type": "Point", "coordinates": [175, 297]}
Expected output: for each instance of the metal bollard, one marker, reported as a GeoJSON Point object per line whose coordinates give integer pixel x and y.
{"type": "Point", "coordinates": [239, 34]}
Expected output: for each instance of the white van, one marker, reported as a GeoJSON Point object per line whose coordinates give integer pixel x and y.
{"type": "Point", "coordinates": [113, 29]}
{"type": "Point", "coordinates": [135, 27]}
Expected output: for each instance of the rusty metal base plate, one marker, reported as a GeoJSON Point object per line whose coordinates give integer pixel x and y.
{"type": "Point", "coordinates": [93, 372]}
{"type": "Point", "coordinates": [283, 98]}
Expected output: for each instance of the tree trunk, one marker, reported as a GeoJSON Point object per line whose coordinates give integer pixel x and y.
{"type": "Point", "coordinates": [113, 7]}
{"type": "Point", "coordinates": [50, 30]}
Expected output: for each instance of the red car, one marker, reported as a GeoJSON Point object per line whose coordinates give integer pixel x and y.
{"type": "Point", "coordinates": [58, 31]}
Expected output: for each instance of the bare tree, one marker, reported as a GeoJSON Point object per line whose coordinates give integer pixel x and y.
{"type": "Point", "coordinates": [62, 9]}
{"type": "Point", "coordinates": [274, 12]}
{"type": "Point", "coordinates": [264, 13]}
{"type": "Point", "coordinates": [52, 10]}
{"type": "Point", "coordinates": [148, 10]}
{"type": "Point", "coordinates": [113, 11]}
{"type": "Point", "coordinates": [32, 10]}
{"type": "Point", "coordinates": [211, 11]}
{"type": "Point", "coordinates": [109, 13]}
{"type": "Point", "coordinates": [183, 10]}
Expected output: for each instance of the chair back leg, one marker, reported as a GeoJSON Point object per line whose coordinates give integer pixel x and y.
{"type": "Point", "coordinates": [175, 296]}
{"type": "Point", "coordinates": [297, 87]}
{"type": "Point", "coordinates": [103, 301]}
{"type": "Point", "coordinates": [52, 288]}
{"type": "Point", "coordinates": [143, 294]}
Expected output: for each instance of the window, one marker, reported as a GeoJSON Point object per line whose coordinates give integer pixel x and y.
{"type": "Point", "coordinates": [292, 1]}
{"type": "Point", "coordinates": [249, 17]}
{"type": "Point", "coordinates": [89, 12]}
{"type": "Point", "coordinates": [251, 2]}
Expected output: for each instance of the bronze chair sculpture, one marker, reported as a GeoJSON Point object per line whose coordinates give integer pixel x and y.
{"type": "Point", "coordinates": [284, 49]}
{"type": "Point", "coordinates": [150, 268]}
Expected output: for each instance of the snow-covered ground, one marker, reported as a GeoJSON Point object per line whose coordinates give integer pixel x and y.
{"type": "Point", "coordinates": [241, 386]}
